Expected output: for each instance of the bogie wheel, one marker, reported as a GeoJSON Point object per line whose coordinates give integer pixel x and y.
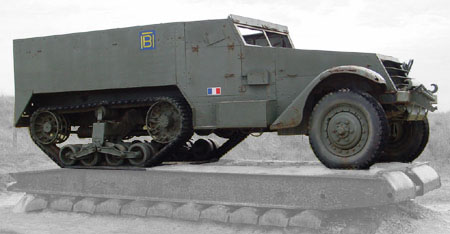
{"type": "Point", "coordinates": [146, 152]}
{"type": "Point", "coordinates": [407, 140]}
{"type": "Point", "coordinates": [91, 159]}
{"type": "Point", "coordinates": [113, 160]}
{"type": "Point", "coordinates": [165, 120]}
{"type": "Point", "coordinates": [65, 154]}
{"type": "Point", "coordinates": [348, 129]}
{"type": "Point", "coordinates": [45, 126]}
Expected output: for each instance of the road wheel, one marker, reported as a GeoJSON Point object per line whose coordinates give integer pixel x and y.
{"type": "Point", "coordinates": [407, 140]}
{"type": "Point", "coordinates": [348, 129]}
{"type": "Point", "coordinates": [91, 159]}
{"type": "Point", "coordinates": [66, 154]}
{"type": "Point", "coordinates": [113, 160]}
{"type": "Point", "coordinates": [146, 152]}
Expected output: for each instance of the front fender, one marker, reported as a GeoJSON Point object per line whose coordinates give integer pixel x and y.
{"type": "Point", "coordinates": [292, 116]}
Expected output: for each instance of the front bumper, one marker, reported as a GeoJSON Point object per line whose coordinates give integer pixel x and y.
{"type": "Point", "coordinates": [415, 103]}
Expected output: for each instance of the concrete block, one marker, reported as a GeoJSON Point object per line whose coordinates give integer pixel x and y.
{"type": "Point", "coordinates": [30, 203]}
{"type": "Point", "coordinates": [189, 211]}
{"type": "Point", "coordinates": [137, 208]}
{"type": "Point", "coordinates": [245, 215]}
{"type": "Point", "coordinates": [162, 209]}
{"type": "Point", "coordinates": [217, 213]}
{"type": "Point", "coordinates": [308, 218]}
{"type": "Point", "coordinates": [86, 205]}
{"type": "Point", "coordinates": [360, 227]}
{"type": "Point", "coordinates": [274, 217]}
{"type": "Point", "coordinates": [273, 231]}
{"type": "Point", "coordinates": [110, 206]}
{"type": "Point", "coordinates": [63, 203]}
{"type": "Point", "coordinates": [300, 230]}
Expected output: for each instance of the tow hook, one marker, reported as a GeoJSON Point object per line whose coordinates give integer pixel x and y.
{"type": "Point", "coordinates": [435, 88]}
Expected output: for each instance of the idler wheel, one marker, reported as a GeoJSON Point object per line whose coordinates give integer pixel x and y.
{"type": "Point", "coordinates": [45, 126]}
{"type": "Point", "coordinates": [66, 154]}
{"type": "Point", "coordinates": [146, 152]}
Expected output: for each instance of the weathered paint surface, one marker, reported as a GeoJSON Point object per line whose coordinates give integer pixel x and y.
{"type": "Point", "coordinates": [192, 56]}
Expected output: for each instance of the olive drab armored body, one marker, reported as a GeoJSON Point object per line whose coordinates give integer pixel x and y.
{"type": "Point", "coordinates": [228, 77]}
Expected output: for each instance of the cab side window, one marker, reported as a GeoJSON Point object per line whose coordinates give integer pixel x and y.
{"type": "Point", "coordinates": [254, 36]}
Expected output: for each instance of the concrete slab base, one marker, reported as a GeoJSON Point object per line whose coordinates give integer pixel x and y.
{"type": "Point", "coordinates": [110, 206]}
{"type": "Point", "coordinates": [86, 205]}
{"type": "Point", "coordinates": [274, 217]}
{"type": "Point", "coordinates": [218, 213]}
{"type": "Point", "coordinates": [162, 209]}
{"type": "Point", "coordinates": [245, 215]}
{"type": "Point", "coordinates": [189, 211]}
{"type": "Point", "coordinates": [308, 218]}
{"type": "Point", "coordinates": [136, 208]}
{"type": "Point", "coordinates": [30, 203]}
{"type": "Point", "coordinates": [63, 203]}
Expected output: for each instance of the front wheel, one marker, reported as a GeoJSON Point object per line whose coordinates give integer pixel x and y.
{"type": "Point", "coordinates": [348, 129]}
{"type": "Point", "coordinates": [407, 140]}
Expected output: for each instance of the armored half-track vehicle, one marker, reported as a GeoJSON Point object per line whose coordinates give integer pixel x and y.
{"type": "Point", "coordinates": [229, 77]}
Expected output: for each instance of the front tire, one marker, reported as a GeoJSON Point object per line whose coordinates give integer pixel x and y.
{"type": "Point", "coordinates": [348, 130]}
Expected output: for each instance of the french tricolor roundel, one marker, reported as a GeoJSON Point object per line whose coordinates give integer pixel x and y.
{"type": "Point", "coordinates": [215, 91]}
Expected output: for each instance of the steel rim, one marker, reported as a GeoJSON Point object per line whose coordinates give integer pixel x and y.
{"type": "Point", "coordinates": [64, 155]}
{"type": "Point", "coordinates": [345, 131]}
{"type": "Point", "coordinates": [45, 127]}
{"type": "Point", "coordinates": [144, 154]}
{"type": "Point", "coordinates": [91, 160]}
{"type": "Point", "coordinates": [64, 130]}
{"type": "Point", "coordinates": [397, 132]}
{"type": "Point", "coordinates": [113, 160]}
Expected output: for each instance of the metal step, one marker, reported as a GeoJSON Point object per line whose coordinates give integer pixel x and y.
{"type": "Point", "coordinates": [264, 185]}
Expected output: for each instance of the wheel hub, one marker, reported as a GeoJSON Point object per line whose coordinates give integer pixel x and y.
{"type": "Point", "coordinates": [346, 131]}
{"type": "Point", "coordinates": [47, 127]}
{"type": "Point", "coordinates": [164, 121]}
{"type": "Point", "coordinates": [396, 133]}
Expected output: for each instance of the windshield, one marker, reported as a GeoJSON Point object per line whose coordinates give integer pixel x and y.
{"type": "Point", "coordinates": [260, 37]}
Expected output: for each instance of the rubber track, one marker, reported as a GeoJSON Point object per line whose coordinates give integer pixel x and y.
{"type": "Point", "coordinates": [52, 150]}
